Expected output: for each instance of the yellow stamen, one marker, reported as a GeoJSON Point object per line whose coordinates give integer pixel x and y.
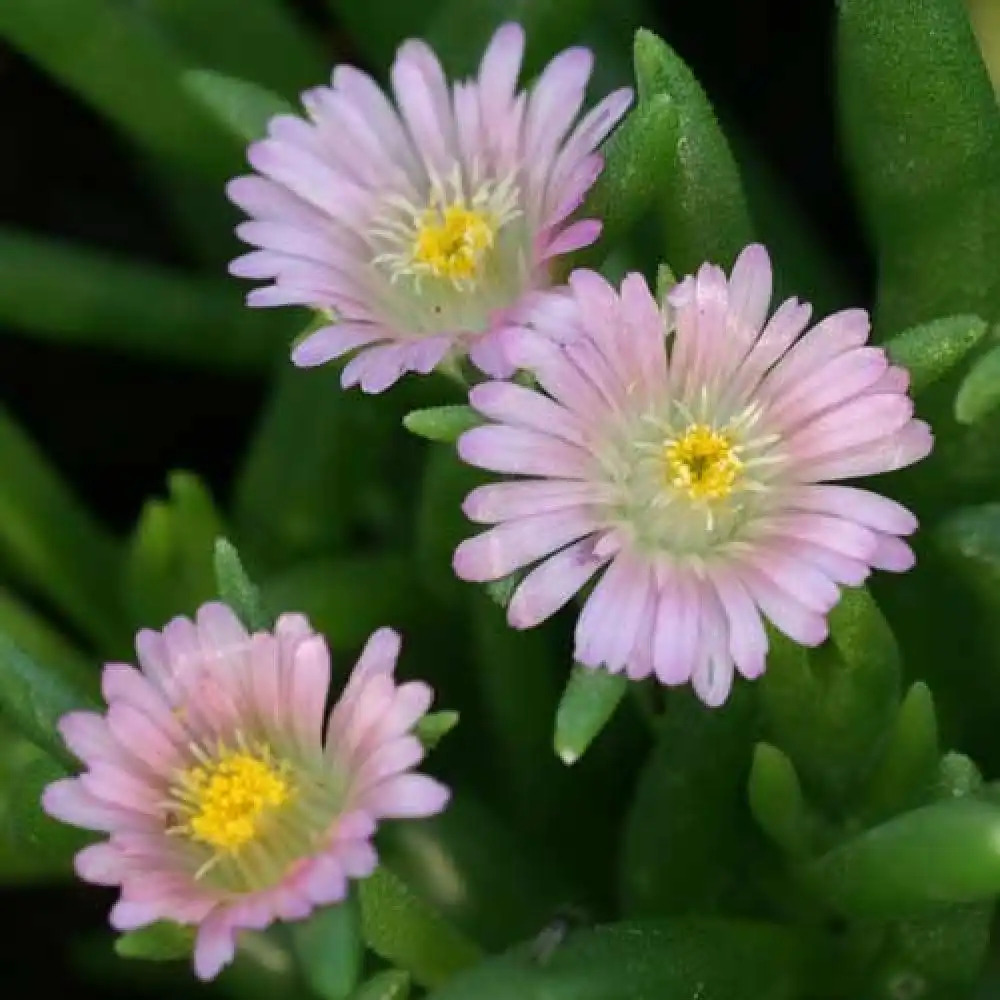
{"type": "Point", "coordinates": [451, 241]}
{"type": "Point", "coordinates": [702, 463]}
{"type": "Point", "coordinates": [226, 798]}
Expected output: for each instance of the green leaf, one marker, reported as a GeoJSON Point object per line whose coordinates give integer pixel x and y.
{"type": "Point", "coordinates": [692, 958]}
{"type": "Point", "coordinates": [586, 706]}
{"type": "Point", "coordinates": [829, 708]}
{"type": "Point", "coordinates": [632, 176]}
{"type": "Point", "coordinates": [237, 589]}
{"type": "Point", "coordinates": [665, 280]}
{"type": "Point", "coordinates": [776, 800]}
{"type": "Point", "coordinates": [389, 985]}
{"type": "Point", "coordinates": [905, 775]}
{"type": "Point", "coordinates": [957, 776]}
{"type": "Point", "coordinates": [168, 566]}
{"type": "Point", "coordinates": [244, 108]}
{"type": "Point", "coordinates": [65, 294]}
{"type": "Point", "coordinates": [979, 393]}
{"type": "Point", "coordinates": [405, 931]}
{"type": "Point", "coordinates": [330, 951]}
{"type": "Point", "coordinates": [33, 698]}
{"type": "Point", "coordinates": [442, 423]}
{"type": "Point", "coordinates": [703, 210]}
{"type": "Point", "coordinates": [687, 825]}
{"type": "Point", "coordinates": [948, 852]}
{"type": "Point", "coordinates": [50, 542]}
{"type": "Point", "coordinates": [932, 350]}
{"type": "Point", "coordinates": [347, 598]}
{"type": "Point", "coordinates": [116, 61]}
{"type": "Point", "coordinates": [501, 591]}
{"type": "Point", "coordinates": [163, 941]}
{"type": "Point", "coordinates": [434, 727]}
{"type": "Point", "coordinates": [378, 27]}
{"type": "Point", "coordinates": [929, 182]}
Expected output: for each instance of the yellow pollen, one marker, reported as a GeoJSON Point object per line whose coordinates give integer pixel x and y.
{"type": "Point", "coordinates": [702, 463]}
{"type": "Point", "coordinates": [451, 241]}
{"type": "Point", "coordinates": [226, 798]}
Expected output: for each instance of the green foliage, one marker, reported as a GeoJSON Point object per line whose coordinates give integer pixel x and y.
{"type": "Point", "coordinates": [159, 942]}
{"type": "Point", "coordinates": [237, 589]}
{"type": "Point", "coordinates": [442, 423]}
{"type": "Point", "coordinates": [589, 701]}
{"type": "Point", "coordinates": [330, 951]}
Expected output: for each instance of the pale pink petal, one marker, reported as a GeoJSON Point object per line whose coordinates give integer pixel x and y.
{"type": "Point", "coordinates": [331, 342]}
{"type": "Point", "coordinates": [523, 407]}
{"type": "Point", "coordinates": [522, 452]}
{"type": "Point", "coordinates": [785, 610]}
{"type": "Point", "coordinates": [675, 638]}
{"type": "Point", "coordinates": [508, 501]}
{"type": "Point", "coordinates": [874, 511]}
{"type": "Point", "coordinates": [574, 237]}
{"type": "Point", "coordinates": [100, 864]}
{"type": "Point", "coordinates": [893, 555]}
{"type": "Point", "coordinates": [747, 638]}
{"type": "Point", "coordinates": [407, 796]}
{"type": "Point", "coordinates": [214, 948]}
{"type": "Point", "coordinates": [750, 287]}
{"type": "Point", "coordinates": [309, 681]}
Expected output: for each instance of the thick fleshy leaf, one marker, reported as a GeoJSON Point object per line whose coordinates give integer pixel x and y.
{"type": "Point", "coordinates": [434, 727]}
{"type": "Point", "coordinates": [948, 852]}
{"type": "Point", "coordinates": [242, 107]}
{"type": "Point", "coordinates": [120, 64]}
{"type": "Point", "coordinates": [168, 565]}
{"type": "Point", "coordinates": [979, 394]}
{"type": "Point", "coordinates": [442, 423]}
{"type": "Point", "coordinates": [930, 182]}
{"type": "Point", "coordinates": [703, 209]}
{"type": "Point", "coordinates": [163, 941]}
{"type": "Point", "coordinates": [688, 824]}
{"type": "Point", "coordinates": [776, 800]}
{"type": "Point", "coordinates": [330, 951]}
{"type": "Point", "coordinates": [933, 350]}
{"type": "Point", "coordinates": [404, 930]}
{"type": "Point", "coordinates": [393, 984]}
{"type": "Point", "coordinates": [587, 704]}
{"type": "Point", "coordinates": [828, 708]}
{"type": "Point", "coordinates": [237, 589]}
{"type": "Point", "coordinates": [707, 959]}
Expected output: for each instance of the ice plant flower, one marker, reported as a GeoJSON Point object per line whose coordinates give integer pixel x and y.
{"type": "Point", "coordinates": [690, 452]}
{"type": "Point", "coordinates": [427, 227]}
{"type": "Point", "coordinates": [228, 802]}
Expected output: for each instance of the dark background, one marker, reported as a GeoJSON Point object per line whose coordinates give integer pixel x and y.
{"type": "Point", "coordinates": [115, 425]}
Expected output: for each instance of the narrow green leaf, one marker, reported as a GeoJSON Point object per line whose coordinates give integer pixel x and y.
{"type": "Point", "coordinates": [347, 598]}
{"type": "Point", "coordinates": [168, 566]}
{"type": "Point", "coordinates": [160, 942]}
{"type": "Point", "coordinates": [66, 294]}
{"type": "Point", "coordinates": [587, 704]}
{"type": "Point", "coordinates": [905, 774]}
{"type": "Point", "coordinates": [117, 62]}
{"type": "Point", "coordinates": [632, 176]}
{"type": "Point", "coordinates": [50, 542]}
{"type": "Point", "coordinates": [330, 951]}
{"type": "Point", "coordinates": [442, 423]}
{"type": "Point", "coordinates": [948, 852]}
{"type": "Point", "coordinates": [703, 209]}
{"type": "Point", "coordinates": [691, 958]}
{"type": "Point", "coordinates": [929, 183]}
{"type": "Point", "coordinates": [979, 393]}
{"type": "Point", "coordinates": [776, 800]}
{"type": "Point", "coordinates": [393, 984]}
{"type": "Point", "coordinates": [434, 727]}
{"type": "Point", "coordinates": [244, 108]}
{"type": "Point", "coordinates": [33, 698]}
{"type": "Point", "coordinates": [688, 809]}
{"type": "Point", "coordinates": [405, 931]}
{"type": "Point", "coordinates": [665, 280]}
{"type": "Point", "coordinates": [237, 589]}
{"type": "Point", "coordinates": [932, 350]}
{"type": "Point", "coordinates": [501, 591]}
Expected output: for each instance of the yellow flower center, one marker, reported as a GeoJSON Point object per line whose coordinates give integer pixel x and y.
{"type": "Point", "coordinates": [224, 799]}
{"type": "Point", "coordinates": [702, 463]}
{"type": "Point", "coordinates": [450, 241]}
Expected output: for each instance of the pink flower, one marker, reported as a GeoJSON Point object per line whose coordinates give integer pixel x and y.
{"type": "Point", "coordinates": [426, 227]}
{"type": "Point", "coordinates": [228, 803]}
{"type": "Point", "coordinates": [693, 471]}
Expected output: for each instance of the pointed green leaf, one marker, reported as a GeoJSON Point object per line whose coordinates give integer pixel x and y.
{"type": "Point", "coordinates": [242, 107]}
{"type": "Point", "coordinates": [434, 727]}
{"type": "Point", "coordinates": [163, 941]}
{"type": "Point", "coordinates": [776, 800]}
{"type": "Point", "coordinates": [948, 852]}
{"type": "Point", "coordinates": [979, 393]}
{"type": "Point", "coordinates": [929, 181]}
{"type": "Point", "coordinates": [329, 949]}
{"type": "Point", "coordinates": [665, 280]}
{"type": "Point", "coordinates": [407, 932]}
{"type": "Point", "coordinates": [442, 423]}
{"type": "Point", "coordinates": [393, 984]}
{"type": "Point", "coordinates": [703, 209]}
{"type": "Point", "coordinates": [932, 350]}
{"type": "Point", "coordinates": [237, 589]}
{"type": "Point", "coordinates": [589, 701]}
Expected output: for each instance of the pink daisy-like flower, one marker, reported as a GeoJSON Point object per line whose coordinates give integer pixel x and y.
{"type": "Point", "coordinates": [427, 227]}
{"type": "Point", "coordinates": [228, 802]}
{"type": "Point", "coordinates": [695, 469]}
